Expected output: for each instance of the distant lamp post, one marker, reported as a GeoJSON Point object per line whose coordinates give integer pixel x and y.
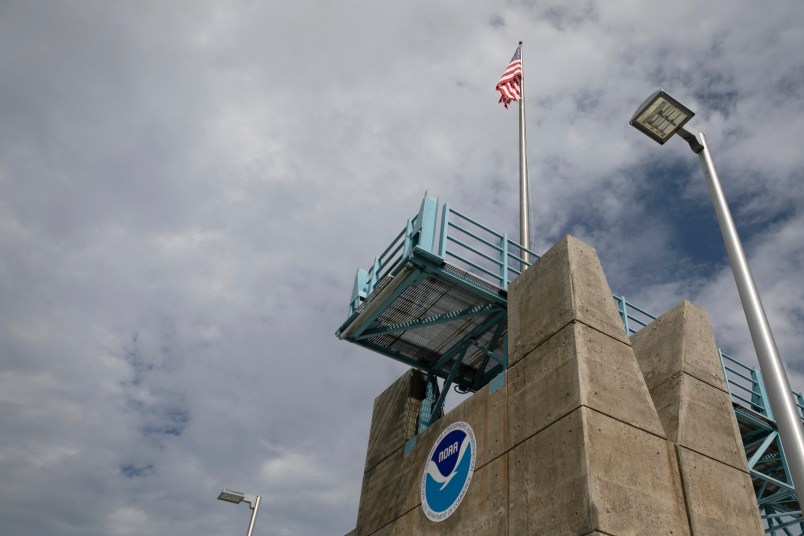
{"type": "Point", "coordinates": [659, 117]}
{"type": "Point", "coordinates": [236, 497]}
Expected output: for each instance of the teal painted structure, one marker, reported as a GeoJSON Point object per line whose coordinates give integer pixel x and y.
{"type": "Point", "coordinates": [436, 300]}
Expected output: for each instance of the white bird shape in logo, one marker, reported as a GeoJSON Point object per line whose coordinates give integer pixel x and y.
{"type": "Point", "coordinates": [435, 474]}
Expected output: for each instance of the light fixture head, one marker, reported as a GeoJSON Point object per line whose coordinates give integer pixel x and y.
{"type": "Point", "coordinates": [231, 496]}
{"type": "Point", "coordinates": [661, 116]}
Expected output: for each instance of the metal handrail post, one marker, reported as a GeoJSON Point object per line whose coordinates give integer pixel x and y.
{"type": "Point", "coordinates": [763, 393]}
{"type": "Point", "coordinates": [725, 372]}
{"type": "Point", "coordinates": [426, 223]}
{"type": "Point", "coordinates": [408, 238]}
{"type": "Point", "coordinates": [442, 241]}
{"type": "Point", "coordinates": [375, 269]}
{"type": "Point", "coordinates": [800, 400]}
{"type": "Point", "coordinates": [621, 308]}
{"type": "Point", "coordinates": [504, 259]}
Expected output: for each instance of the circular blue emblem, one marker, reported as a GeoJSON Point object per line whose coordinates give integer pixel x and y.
{"type": "Point", "coordinates": [448, 471]}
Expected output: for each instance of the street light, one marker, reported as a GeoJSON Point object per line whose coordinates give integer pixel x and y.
{"type": "Point", "coordinates": [661, 116]}
{"type": "Point", "coordinates": [237, 497]}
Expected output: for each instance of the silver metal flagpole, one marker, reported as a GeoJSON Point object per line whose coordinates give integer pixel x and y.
{"type": "Point", "coordinates": [524, 194]}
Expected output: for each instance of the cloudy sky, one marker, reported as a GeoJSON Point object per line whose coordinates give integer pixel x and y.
{"type": "Point", "coordinates": [186, 189]}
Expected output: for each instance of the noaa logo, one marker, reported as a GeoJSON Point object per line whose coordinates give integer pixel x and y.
{"type": "Point", "coordinates": [448, 471]}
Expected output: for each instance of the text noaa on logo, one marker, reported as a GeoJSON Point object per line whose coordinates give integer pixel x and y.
{"type": "Point", "coordinates": [448, 471]}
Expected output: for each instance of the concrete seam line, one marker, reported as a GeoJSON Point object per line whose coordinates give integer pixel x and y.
{"type": "Point", "coordinates": [683, 487]}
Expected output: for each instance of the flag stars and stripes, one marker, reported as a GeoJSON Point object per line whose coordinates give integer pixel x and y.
{"type": "Point", "coordinates": [510, 82]}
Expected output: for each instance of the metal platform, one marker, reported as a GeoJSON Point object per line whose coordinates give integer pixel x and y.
{"type": "Point", "coordinates": [436, 300]}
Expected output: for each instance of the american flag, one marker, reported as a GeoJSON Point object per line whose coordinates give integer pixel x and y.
{"type": "Point", "coordinates": [508, 86]}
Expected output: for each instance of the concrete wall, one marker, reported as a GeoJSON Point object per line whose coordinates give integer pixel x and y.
{"type": "Point", "coordinates": [586, 435]}
{"type": "Point", "coordinates": [678, 357]}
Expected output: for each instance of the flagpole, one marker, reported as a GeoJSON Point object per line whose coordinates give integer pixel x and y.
{"type": "Point", "coordinates": [524, 194]}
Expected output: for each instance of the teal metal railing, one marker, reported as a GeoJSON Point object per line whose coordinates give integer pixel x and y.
{"type": "Point", "coordinates": [467, 244]}
{"type": "Point", "coordinates": [480, 250]}
{"type": "Point", "coordinates": [745, 383]}
{"type": "Point", "coordinates": [493, 257]}
{"type": "Point", "coordinates": [747, 387]}
{"type": "Point", "coordinates": [632, 315]}
{"type": "Point", "coordinates": [366, 280]}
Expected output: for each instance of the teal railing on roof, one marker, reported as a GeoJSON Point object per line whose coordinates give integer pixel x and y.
{"type": "Point", "coordinates": [464, 243]}
{"type": "Point", "coordinates": [745, 383]}
{"type": "Point", "coordinates": [632, 315]}
{"type": "Point", "coordinates": [493, 257]}
{"type": "Point", "coordinates": [481, 250]}
{"type": "Point", "coordinates": [746, 386]}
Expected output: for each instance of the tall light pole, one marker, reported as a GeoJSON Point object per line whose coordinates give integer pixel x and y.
{"type": "Point", "coordinates": [661, 116]}
{"type": "Point", "coordinates": [237, 497]}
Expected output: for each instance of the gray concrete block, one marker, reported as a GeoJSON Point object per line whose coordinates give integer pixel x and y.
{"type": "Point", "coordinates": [681, 340]}
{"type": "Point", "coordinates": [412, 465]}
{"type": "Point", "coordinates": [389, 421]}
{"type": "Point", "coordinates": [364, 498]}
{"type": "Point", "coordinates": [611, 380]}
{"type": "Point", "coordinates": [483, 511]}
{"type": "Point", "coordinates": [678, 357]}
{"type": "Point", "coordinates": [667, 401]}
{"type": "Point", "coordinates": [487, 414]}
{"type": "Point", "coordinates": [547, 482]}
{"type": "Point", "coordinates": [543, 387]}
{"type": "Point", "coordinates": [708, 424]}
{"type": "Point", "coordinates": [590, 472]}
{"type": "Point", "coordinates": [567, 284]}
{"type": "Point", "coordinates": [578, 366]}
{"type": "Point", "coordinates": [720, 498]}
{"type": "Point", "coordinates": [380, 495]}
{"type": "Point", "coordinates": [387, 530]}
{"type": "Point", "coordinates": [634, 484]}
{"type": "Point", "coordinates": [414, 523]}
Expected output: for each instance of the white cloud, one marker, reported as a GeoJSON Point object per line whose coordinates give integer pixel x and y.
{"type": "Point", "coordinates": [187, 189]}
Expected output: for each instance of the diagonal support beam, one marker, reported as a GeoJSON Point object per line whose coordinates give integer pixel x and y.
{"type": "Point", "coordinates": [493, 318]}
{"type": "Point", "coordinates": [503, 323]}
{"type": "Point", "coordinates": [786, 490]}
{"type": "Point", "coordinates": [379, 303]}
{"type": "Point", "coordinates": [775, 522]}
{"type": "Point", "coordinates": [427, 321]}
{"type": "Point", "coordinates": [488, 353]}
{"type": "Point", "coordinates": [447, 383]}
{"type": "Point", "coordinates": [761, 450]}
